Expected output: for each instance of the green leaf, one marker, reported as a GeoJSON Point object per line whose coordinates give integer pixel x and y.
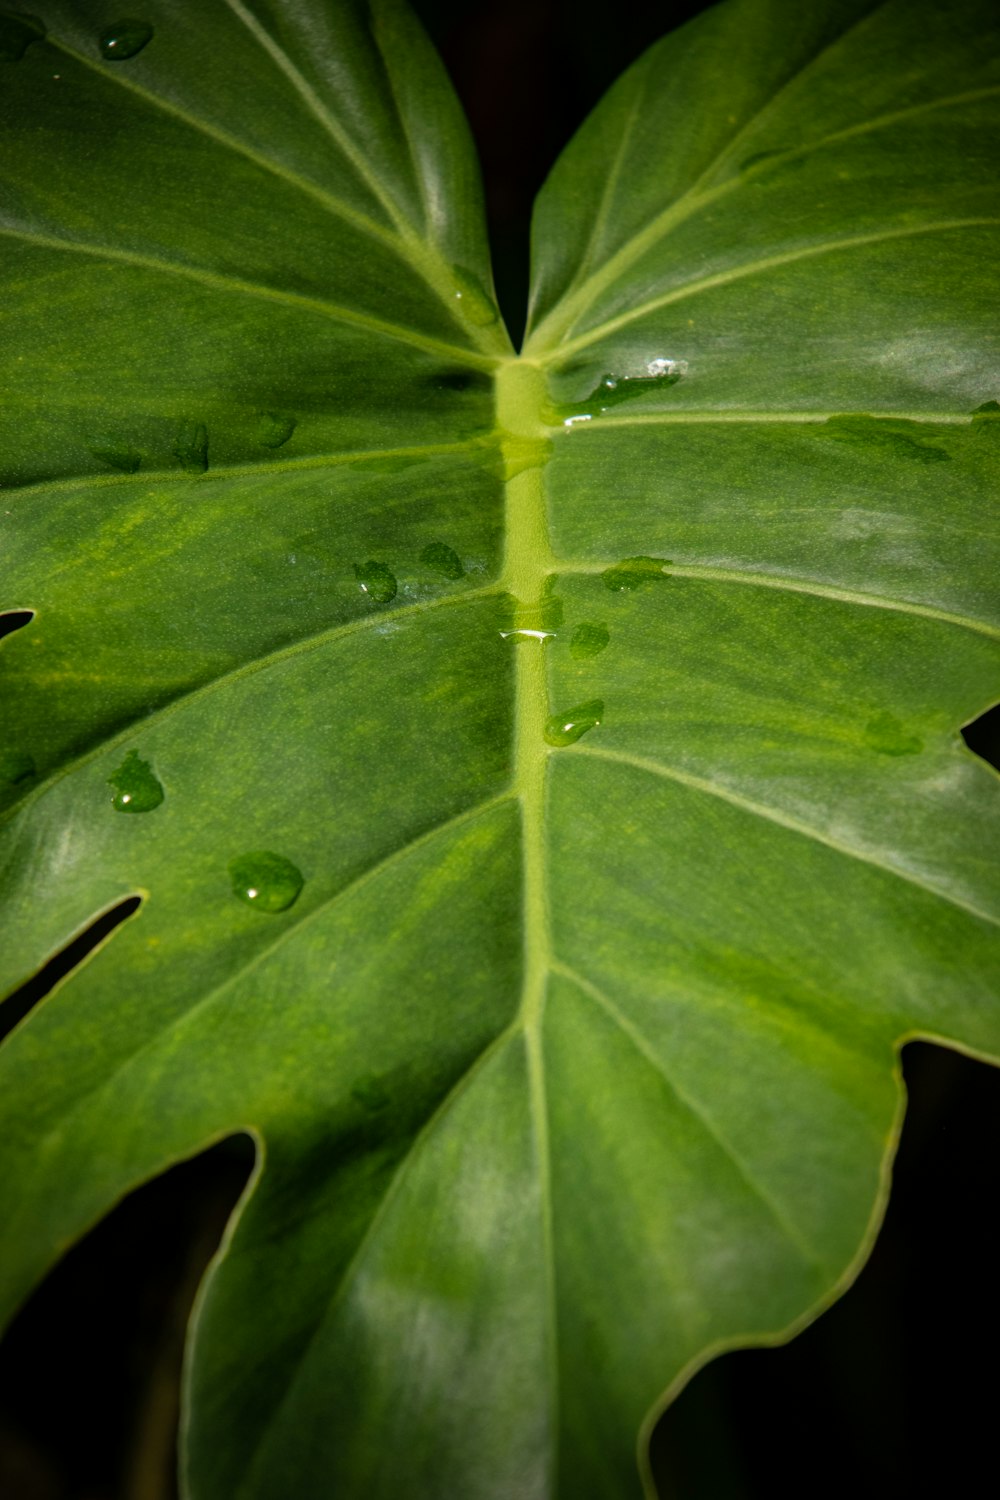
{"type": "Point", "coordinates": [548, 803]}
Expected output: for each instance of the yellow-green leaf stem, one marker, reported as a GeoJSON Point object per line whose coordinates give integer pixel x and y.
{"type": "Point", "coordinates": [528, 563]}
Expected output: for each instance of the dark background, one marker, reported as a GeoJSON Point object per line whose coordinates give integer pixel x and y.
{"type": "Point", "coordinates": [891, 1394]}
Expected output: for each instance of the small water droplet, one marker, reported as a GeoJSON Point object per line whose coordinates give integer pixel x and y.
{"type": "Point", "coordinates": [986, 421]}
{"type": "Point", "coordinates": [136, 788]}
{"type": "Point", "coordinates": [612, 390]}
{"type": "Point", "coordinates": [566, 728]}
{"type": "Point", "coordinates": [475, 301]}
{"type": "Point", "coordinates": [635, 573]}
{"type": "Point", "coordinates": [885, 734]}
{"type": "Point", "coordinates": [370, 1093]}
{"type": "Point", "coordinates": [124, 39]}
{"type": "Point", "coordinates": [525, 622]}
{"type": "Point", "coordinates": [274, 429]}
{"type": "Point", "coordinates": [894, 435]}
{"type": "Point", "coordinates": [117, 455]}
{"type": "Point", "coordinates": [376, 580]}
{"type": "Point", "coordinates": [15, 766]}
{"type": "Point", "coordinates": [17, 32]}
{"type": "Point", "coordinates": [265, 880]}
{"type": "Point", "coordinates": [443, 559]}
{"type": "Point", "coordinates": [191, 447]}
{"type": "Point", "coordinates": [588, 640]}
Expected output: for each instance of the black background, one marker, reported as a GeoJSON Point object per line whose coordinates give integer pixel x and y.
{"type": "Point", "coordinates": [892, 1393]}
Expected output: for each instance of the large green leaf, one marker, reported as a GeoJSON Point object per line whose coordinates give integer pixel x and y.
{"type": "Point", "coordinates": [550, 912]}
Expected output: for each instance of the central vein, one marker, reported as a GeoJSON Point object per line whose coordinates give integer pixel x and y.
{"type": "Point", "coordinates": [528, 564]}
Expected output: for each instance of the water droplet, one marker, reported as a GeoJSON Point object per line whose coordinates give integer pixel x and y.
{"type": "Point", "coordinates": [635, 573]}
{"type": "Point", "coordinates": [521, 454]}
{"type": "Point", "coordinates": [894, 435]}
{"type": "Point", "coordinates": [612, 390]}
{"type": "Point", "coordinates": [376, 580]}
{"type": "Point", "coordinates": [525, 622]}
{"type": "Point", "coordinates": [473, 298]}
{"type": "Point", "coordinates": [15, 766]}
{"type": "Point", "coordinates": [115, 454]}
{"type": "Point", "coordinates": [124, 39]}
{"type": "Point", "coordinates": [986, 421]}
{"type": "Point", "coordinates": [443, 559]}
{"type": "Point", "coordinates": [589, 640]}
{"type": "Point", "coordinates": [566, 728]}
{"type": "Point", "coordinates": [274, 429]}
{"type": "Point", "coordinates": [191, 447]}
{"type": "Point", "coordinates": [370, 1093]}
{"type": "Point", "coordinates": [266, 881]}
{"type": "Point", "coordinates": [17, 32]}
{"type": "Point", "coordinates": [136, 788]}
{"type": "Point", "coordinates": [885, 734]}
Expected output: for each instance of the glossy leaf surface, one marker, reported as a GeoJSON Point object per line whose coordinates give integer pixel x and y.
{"type": "Point", "coordinates": [542, 775]}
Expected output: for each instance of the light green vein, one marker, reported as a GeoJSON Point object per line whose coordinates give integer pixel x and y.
{"type": "Point", "coordinates": [373, 1229]}
{"type": "Point", "coordinates": [628, 1028]}
{"type": "Point", "coordinates": [798, 586]}
{"type": "Point", "coordinates": [323, 116]}
{"type": "Point", "coordinates": [305, 185]}
{"type": "Point", "coordinates": [611, 182]}
{"type": "Point", "coordinates": [422, 252]}
{"type": "Point", "coordinates": [751, 268]}
{"type": "Point", "coordinates": [531, 1019]}
{"type": "Point", "coordinates": [575, 302]}
{"type": "Point", "coordinates": [220, 283]}
{"type": "Point", "coordinates": [485, 444]}
{"type": "Point", "coordinates": [292, 930]}
{"type": "Point", "coordinates": [782, 820]}
{"type": "Point", "coordinates": [261, 663]}
{"type": "Point", "coordinates": [520, 393]}
{"type": "Point", "coordinates": [737, 417]}
{"type": "Point", "coordinates": [876, 123]}
{"type": "Point", "coordinates": [582, 290]}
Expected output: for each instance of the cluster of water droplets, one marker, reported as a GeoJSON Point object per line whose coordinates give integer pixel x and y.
{"type": "Point", "coordinates": [379, 583]}
{"type": "Point", "coordinates": [189, 445]}
{"type": "Point", "coordinates": [589, 639]}
{"type": "Point", "coordinates": [261, 878]}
